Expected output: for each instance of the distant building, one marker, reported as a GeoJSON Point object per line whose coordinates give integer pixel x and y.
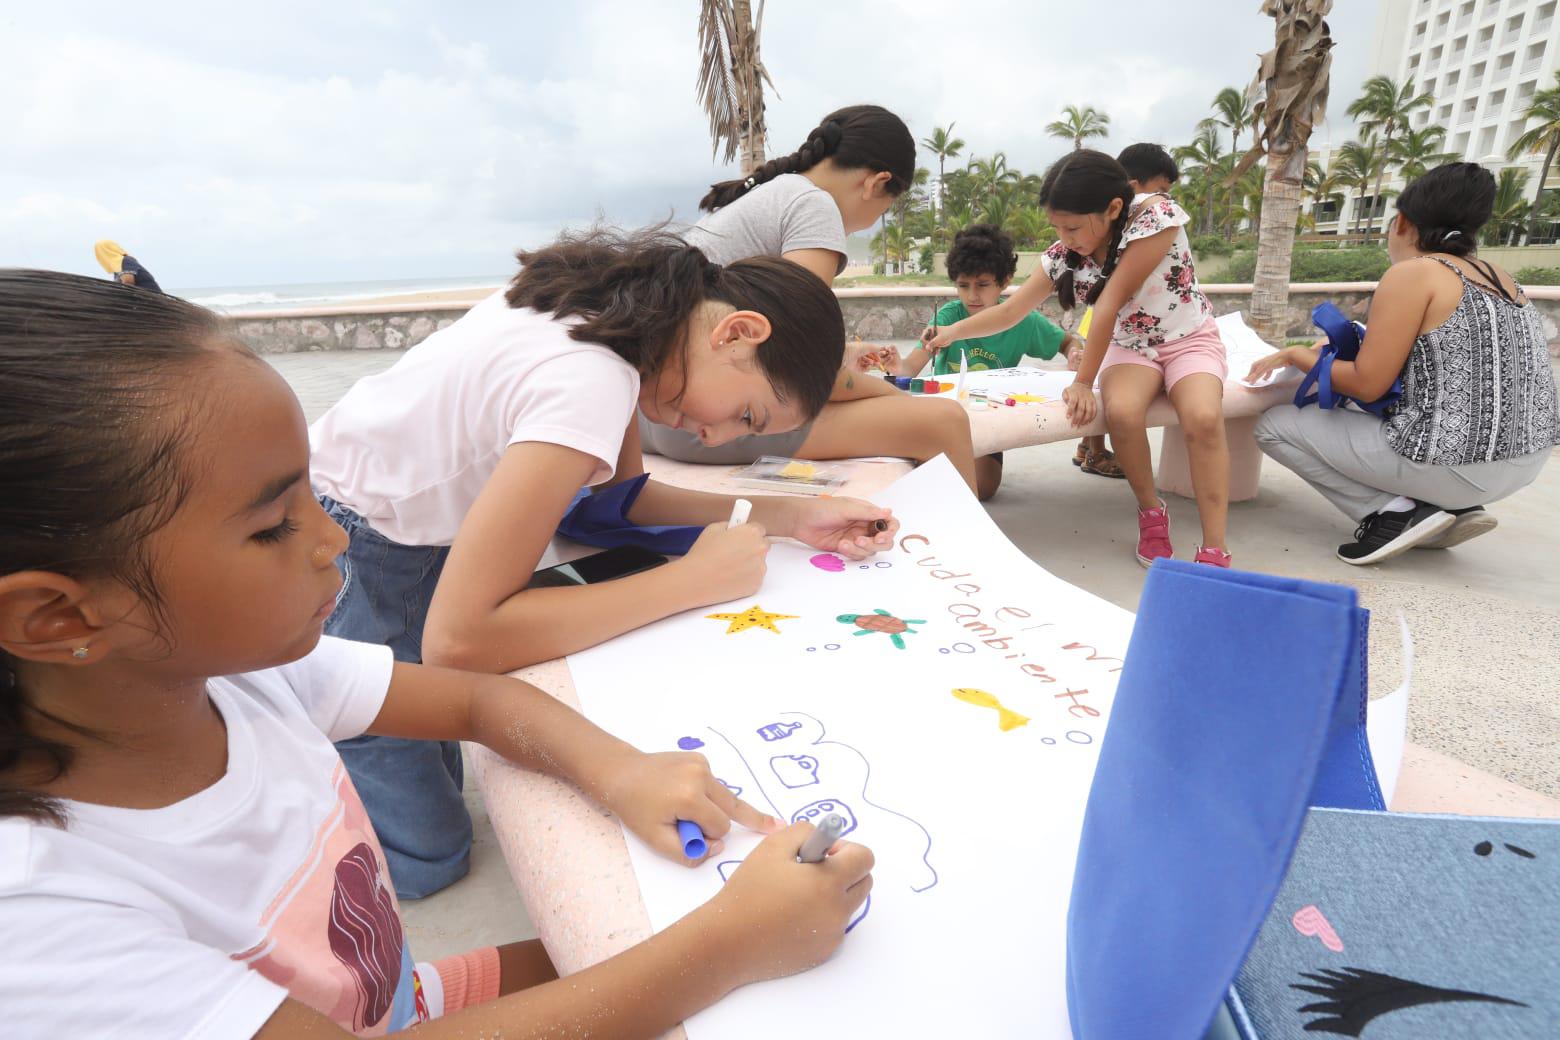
{"type": "Point", "coordinates": [1482, 60]}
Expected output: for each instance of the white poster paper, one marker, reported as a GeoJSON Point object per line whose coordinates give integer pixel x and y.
{"type": "Point", "coordinates": [948, 697]}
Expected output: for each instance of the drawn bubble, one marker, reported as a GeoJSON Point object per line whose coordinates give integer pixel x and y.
{"type": "Point", "coordinates": [690, 743]}
{"type": "Point", "coordinates": [1048, 740]}
{"type": "Point", "coordinates": [957, 648]}
{"type": "Point", "coordinates": [1078, 736]}
{"type": "Point", "coordinates": [864, 567]}
{"type": "Point", "coordinates": [826, 646]}
{"type": "Point", "coordinates": [828, 562]}
{"type": "Point", "coordinates": [883, 563]}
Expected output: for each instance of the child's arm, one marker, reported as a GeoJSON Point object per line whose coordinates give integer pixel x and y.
{"type": "Point", "coordinates": [1137, 261]}
{"type": "Point", "coordinates": [911, 364]}
{"type": "Point", "coordinates": [775, 917]}
{"type": "Point", "coordinates": [996, 319]}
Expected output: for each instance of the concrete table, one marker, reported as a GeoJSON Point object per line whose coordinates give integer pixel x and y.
{"type": "Point", "coordinates": [569, 860]}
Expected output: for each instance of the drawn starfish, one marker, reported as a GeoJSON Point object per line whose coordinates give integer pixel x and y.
{"type": "Point", "coordinates": [753, 617]}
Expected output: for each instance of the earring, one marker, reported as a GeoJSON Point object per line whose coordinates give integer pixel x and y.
{"type": "Point", "coordinates": [80, 653]}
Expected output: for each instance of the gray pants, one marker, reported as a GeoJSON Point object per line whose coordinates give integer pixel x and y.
{"type": "Point", "coordinates": [1344, 454]}
{"type": "Point", "coordinates": [686, 447]}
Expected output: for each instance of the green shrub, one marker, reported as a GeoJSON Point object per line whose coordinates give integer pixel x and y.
{"type": "Point", "coordinates": [1539, 276]}
{"type": "Point", "coordinates": [1314, 265]}
{"type": "Point", "coordinates": [1211, 245]}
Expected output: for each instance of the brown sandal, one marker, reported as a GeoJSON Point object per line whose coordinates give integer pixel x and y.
{"type": "Point", "coordinates": [1081, 455]}
{"type": "Point", "coordinates": [1102, 464]}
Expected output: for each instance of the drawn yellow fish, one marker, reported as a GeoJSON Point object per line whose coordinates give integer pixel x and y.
{"type": "Point", "coordinates": [1006, 719]}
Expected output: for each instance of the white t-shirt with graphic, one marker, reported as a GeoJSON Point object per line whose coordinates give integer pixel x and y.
{"type": "Point", "coordinates": [199, 918]}
{"type": "Point", "coordinates": [409, 449]}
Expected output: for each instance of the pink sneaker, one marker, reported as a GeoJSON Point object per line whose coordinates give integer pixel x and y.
{"type": "Point", "coordinates": [1154, 535]}
{"type": "Point", "coordinates": [1215, 557]}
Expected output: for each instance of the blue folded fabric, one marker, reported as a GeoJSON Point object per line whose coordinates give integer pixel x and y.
{"type": "Point", "coordinates": [601, 519]}
{"type": "Point", "coordinates": [1241, 704]}
{"type": "Point", "coordinates": [1343, 344]}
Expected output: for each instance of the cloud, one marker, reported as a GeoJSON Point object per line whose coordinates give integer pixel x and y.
{"type": "Point", "coordinates": [231, 144]}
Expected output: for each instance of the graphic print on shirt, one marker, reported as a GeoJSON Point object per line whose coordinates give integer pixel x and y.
{"type": "Point", "coordinates": [333, 933]}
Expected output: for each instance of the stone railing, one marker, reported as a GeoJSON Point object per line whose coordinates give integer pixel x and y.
{"type": "Point", "coordinates": [870, 314]}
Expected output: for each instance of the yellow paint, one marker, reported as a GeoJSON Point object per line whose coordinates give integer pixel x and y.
{"type": "Point", "coordinates": [753, 617]}
{"type": "Point", "coordinates": [799, 471]}
{"type": "Point", "coordinates": [1006, 719]}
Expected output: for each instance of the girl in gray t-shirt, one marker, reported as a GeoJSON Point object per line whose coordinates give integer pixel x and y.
{"type": "Point", "coordinates": [800, 207]}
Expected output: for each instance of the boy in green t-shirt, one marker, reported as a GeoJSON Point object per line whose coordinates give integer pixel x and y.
{"type": "Point", "coordinates": [981, 264]}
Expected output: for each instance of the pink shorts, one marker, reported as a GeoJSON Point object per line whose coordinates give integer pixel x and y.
{"type": "Point", "coordinates": [1201, 351]}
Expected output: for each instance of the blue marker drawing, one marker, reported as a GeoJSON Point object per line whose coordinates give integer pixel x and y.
{"type": "Point", "coordinates": [736, 792]}
{"type": "Point", "coordinates": [858, 918]}
{"type": "Point", "coordinates": [785, 729]}
{"type": "Point", "coordinates": [818, 810]}
{"type": "Point", "coordinates": [726, 866]}
{"type": "Point", "coordinates": [690, 743]}
{"type": "Point", "coordinates": [795, 770]}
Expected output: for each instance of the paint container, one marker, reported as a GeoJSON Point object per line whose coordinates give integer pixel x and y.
{"type": "Point", "coordinates": [917, 386]}
{"type": "Point", "coordinates": [903, 382]}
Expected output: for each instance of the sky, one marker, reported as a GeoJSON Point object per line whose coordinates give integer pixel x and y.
{"type": "Point", "coordinates": [287, 142]}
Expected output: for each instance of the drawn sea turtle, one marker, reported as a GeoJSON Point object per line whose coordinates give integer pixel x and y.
{"type": "Point", "coordinates": [881, 621]}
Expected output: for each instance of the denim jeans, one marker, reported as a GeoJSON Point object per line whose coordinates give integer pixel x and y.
{"type": "Point", "coordinates": [411, 788]}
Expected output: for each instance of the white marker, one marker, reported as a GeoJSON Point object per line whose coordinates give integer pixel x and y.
{"type": "Point", "coordinates": [822, 840]}
{"type": "Point", "coordinates": [740, 512]}
{"type": "Point", "coordinates": [958, 387]}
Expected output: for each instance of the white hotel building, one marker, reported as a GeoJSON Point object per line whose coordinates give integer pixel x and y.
{"type": "Point", "coordinates": [1482, 61]}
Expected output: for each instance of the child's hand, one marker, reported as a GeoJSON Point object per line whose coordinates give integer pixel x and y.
{"type": "Point", "coordinates": [863, 357]}
{"type": "Point", "coordinates": [1074, 355]}
{"type": "Point", "coordinates": [726, 563]}
{"type": "Point", "coordinates": [1081, 405]}
{"type": "Point", "coordinates": [650, 793]}
{"type": "Point", "coordinates": [779, 916]}
{"type": "Point", "coordinates": [847, 526]}
{"type": "Point", "coordinates": [938, 338]}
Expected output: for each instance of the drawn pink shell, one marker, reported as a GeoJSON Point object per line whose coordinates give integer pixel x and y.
{"type": "Point", "coordinates": [828, 562]}
{"type": "Point", "coordinates": [366, 935]}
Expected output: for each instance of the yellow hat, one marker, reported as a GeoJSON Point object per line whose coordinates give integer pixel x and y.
{"type": "Point", "coordinates": [110, 254]}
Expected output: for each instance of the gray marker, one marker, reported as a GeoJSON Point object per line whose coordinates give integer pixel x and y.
{"type": "Point", "coordinates": [822, 839]}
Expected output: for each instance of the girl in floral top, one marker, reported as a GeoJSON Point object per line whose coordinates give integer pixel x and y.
{"type": "Point", "coordinates": [1127, 255]}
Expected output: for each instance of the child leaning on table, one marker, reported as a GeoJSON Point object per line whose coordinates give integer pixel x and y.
{"type": "Point", "coordinates": [183, 851]}
{"type": "Point", "coordinates": [981, 264]}
{"type": "Point", "coordinates": [1126, 254]}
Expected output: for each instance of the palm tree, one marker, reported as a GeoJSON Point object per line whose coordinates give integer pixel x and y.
{"type": "Point", "coordinates": [1507, 220]}
{"type": "Point", "coordinates": [1292, 86]}
{"type": "Point", "coordinates": [1419, 151]}
{"type": "Point", "coordinates": [1324, 187]}
{"type": "Point", "coordinates": [945, 146]}
{"type": "Point", "coordinates": [1360, 163]}
{"type": "Point", "coordinates": [1199, 162]}
{"type": "Point", "coordinates": [1545, 137]}
{"type": "Point", "coordinates": [1232, 109]}
{"type": "Point", "coordinates": [1079, 124]}
{"type": "Point", "coordinates": [1031, 230]}
{"type": "Point", "coordinates": [1386, 108]}
{"type": "Point", "coordinates": [987, 176]}
{"type": "Point", "coordinates": [732, 78]}
{"type": "Point", "coordinates": [896, 245]}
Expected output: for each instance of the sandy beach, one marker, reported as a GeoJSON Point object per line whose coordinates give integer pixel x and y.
{"type": "Point", "coordinates": [432, 298]}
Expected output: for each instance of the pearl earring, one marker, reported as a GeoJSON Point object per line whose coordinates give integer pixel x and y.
{"type": "Point", "coordinates": [80, 653]}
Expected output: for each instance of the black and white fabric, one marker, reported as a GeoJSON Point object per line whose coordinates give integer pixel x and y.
{"type": "Point", "coordinates": [1478, 387]}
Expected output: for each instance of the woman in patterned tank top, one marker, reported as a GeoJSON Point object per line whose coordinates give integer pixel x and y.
{"type": "Point", "coordinates": [1477, 418]}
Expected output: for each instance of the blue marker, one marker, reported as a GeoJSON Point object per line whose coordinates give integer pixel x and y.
{"type": "Point", "coordinates": [694, 845]}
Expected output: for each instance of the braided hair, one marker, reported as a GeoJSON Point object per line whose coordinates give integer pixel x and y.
{"type": "Point", "coordinates": [856, 137]}
{"type": "Point", "coordinates": [1085, 182]}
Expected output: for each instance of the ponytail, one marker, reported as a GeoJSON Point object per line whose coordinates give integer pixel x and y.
{"type": "Point", "coordinates": [857, 137]}
{"type": "Point", "coordinates": [634, 293]}
{"type": "Point", "coordinates": [1085, 182]}
{"type": "Point", "coordinates": [91, 458]}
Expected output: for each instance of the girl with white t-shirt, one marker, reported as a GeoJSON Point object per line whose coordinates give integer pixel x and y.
{"type": "Point", "coordinates": [1127, 255]}
{"type": "Point", "coordinates": [452, 469]}
{"type": "Point", "coordinates": [181, 852]}
{"type": "Point", "coordinates": [801, 206]}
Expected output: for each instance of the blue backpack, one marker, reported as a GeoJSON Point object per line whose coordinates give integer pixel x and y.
{"type": "Point", "coordinates": [1343, 344]}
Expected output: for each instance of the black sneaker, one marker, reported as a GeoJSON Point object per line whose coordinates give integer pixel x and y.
{"type": "Point", "coordinates": [1467, 523]}
{"type": "Point", "coordinates": [1382, 536]}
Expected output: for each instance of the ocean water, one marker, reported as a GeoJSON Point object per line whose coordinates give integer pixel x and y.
{"type": "Point", "coordinates": [314, 294]}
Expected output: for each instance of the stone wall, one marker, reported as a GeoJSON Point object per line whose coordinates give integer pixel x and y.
{"type": "Point", "coordinates": [870, 314]}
